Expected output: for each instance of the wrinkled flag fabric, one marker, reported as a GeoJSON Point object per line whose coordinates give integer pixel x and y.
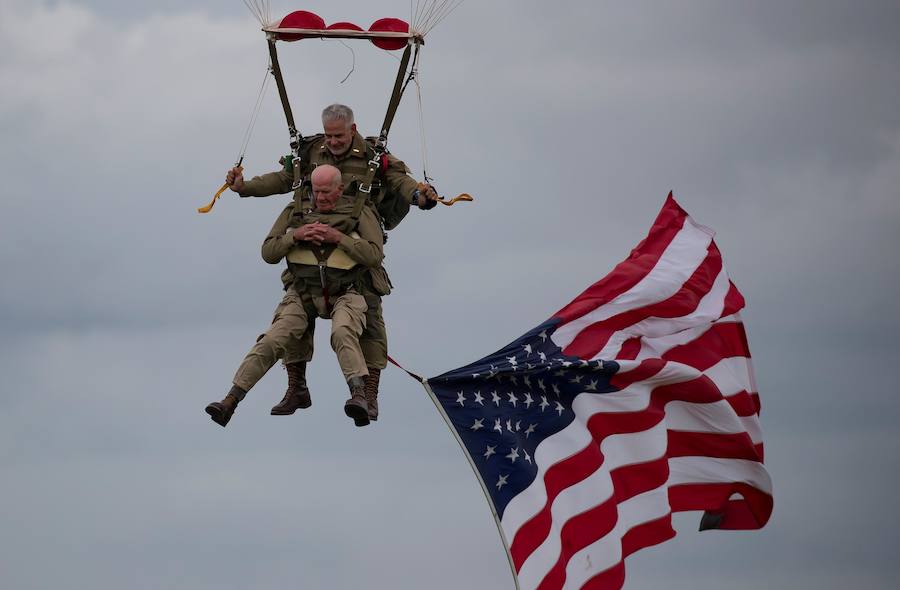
{"type": "Point", "coordinates": [634, 401]}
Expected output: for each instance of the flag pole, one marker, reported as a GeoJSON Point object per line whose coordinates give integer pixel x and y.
{"type": "Point", "coordinates": [440, 409]}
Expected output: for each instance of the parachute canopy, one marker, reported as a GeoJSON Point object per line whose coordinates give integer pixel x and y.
{"type": "Point", "coordinates": [385, 33]}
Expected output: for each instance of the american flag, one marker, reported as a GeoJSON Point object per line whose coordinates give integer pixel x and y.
{"type": "Point", "coordinates": [634, 401]}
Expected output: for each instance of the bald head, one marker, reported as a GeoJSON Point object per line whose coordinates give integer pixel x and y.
{"type": "Point", "coordinates": [327, 186]}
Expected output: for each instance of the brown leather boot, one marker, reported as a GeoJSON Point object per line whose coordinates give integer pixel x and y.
{"type": "Point", "coordinates": [357, 407]}
{"type": "Point", "coordinates": [297, 394]}
{"type": "Point", "coordinates": [372, 392]}
{"type": "Point", "coordinates": [221, 412]}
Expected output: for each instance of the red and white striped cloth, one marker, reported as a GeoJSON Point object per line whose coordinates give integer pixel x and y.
{"type": "Point", "coordinates": [681, 434]}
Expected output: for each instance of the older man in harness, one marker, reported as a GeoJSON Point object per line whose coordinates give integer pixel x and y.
{"type": "Point", "coordinates": [387, 190]}
{"type": "Point", "coordinates": [330, 251]}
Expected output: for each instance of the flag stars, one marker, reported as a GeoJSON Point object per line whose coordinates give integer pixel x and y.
{"type": "Point", "coordinates": [591, 386]}
{"type": "Point", "coordinates": [544, 403]}
{"type": "Point", "coordinates": [543, 357]}
{"type": "Point", "coordinates": [513, 455]}
{"type": "Point", "coordinates": [518, 425]}
{"type": "Point", "coordinates": [559, 373]}
{"type": "Point", "coordinates": [502, 481]}
{"type": "Point", "coordinates": [495, 398]}
{"type": "Point", "coordinates": [490, 451]}
{"type": "Point", "coordinates": [497, 426]}
{"type": "Point", "coordinates": [527, 381]}
{"type": "Point", "coordinates": [529, 430]}
{"type": "Point", "coordinates": [478, 398]}
{"type": "Point", "coordinates": [527, 348]}
{"type": "Point", "coordinates": [555, 389]}
{"type": "Point", "coordinates": [512, 360]}
{"type": "Point", "coordinates": [576, 379]}
{"type": "Point", "coordinates": [509, 426]}
{"type": "Point", "coordinates": [460, 398]}
{"type": "Point", "coordinates": [559, 408]}
{"type": "Point", "coordinates": [541, 385]}
{"type": "Point", "coordinates": [513, 399]}
{"type": "Point", "coordinates": [527, 457]}
{"type": "Point", "coordinates": [543, 336]}
{"type": "Point", "coordinates": [513, 379]}
{"type": "Point", "coordinates": [478, 424]}
{"type": "Point", "coordinates": [528, 401]}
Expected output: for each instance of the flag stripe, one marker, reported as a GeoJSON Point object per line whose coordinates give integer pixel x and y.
{"type": "Point", "coordinates": [687, 251]}
{"type": "Point", "coordinates": [608, 551]}
{"type": "Point", "coordinates": [680, 412]}
{"type": "Point", "coordinates": [721, 340]}
{"type": "Point", "coordinates": [643, 535]}
{"type": "Point", "coordinates": [586, 528]}
{"type": "Point", "coordinates": [709, 308]}
{"type": "Point", "coordinates": [657, 346]}
{"type": "Point", "coordinates": [594, 338]}
{"type": "Point", "coordinates": [723, 446]}
{"type": "Point", "coordinates": [640, 449]}
{"type": "Point", "coordinates": [751, 512]}
{"type": "Point", "coordinates": [558, 477]}
{"type": "Point", "coordinates": [629, 272]}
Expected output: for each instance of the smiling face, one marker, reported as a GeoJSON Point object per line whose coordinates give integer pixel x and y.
{"type": "Point", "coordinates": [338, 136]}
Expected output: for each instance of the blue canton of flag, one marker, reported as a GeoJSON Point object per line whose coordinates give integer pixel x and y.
{"type": "Point", "coordinates": [504, 405]}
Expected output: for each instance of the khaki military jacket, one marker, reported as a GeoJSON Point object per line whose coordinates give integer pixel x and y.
{"type": "Point", "coordinates": [397, 183]}
{"type": "Point", "coordinates": [367, 249]}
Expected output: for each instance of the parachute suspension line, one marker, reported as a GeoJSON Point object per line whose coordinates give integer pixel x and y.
{"type": "Point", "coordinates": [428, 14]}
{"type": "Point", "coordinates": [254, 115]}
{"type": "Point", "coordinates": [261, 9]}
{"type": "Point", "coordinates": [245, 141]}
{"type": "Point", "coordinates": [415, 78]}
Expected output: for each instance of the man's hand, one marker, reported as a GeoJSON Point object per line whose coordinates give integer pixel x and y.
{"type": "Point", "coordinates": [235, 179]}
{"type": "Point", "coordinates": [330, 235]}
{"type": "Point", "coordinates": [317, 233]}
{"type": "Point", "coordinates": [428, 196]}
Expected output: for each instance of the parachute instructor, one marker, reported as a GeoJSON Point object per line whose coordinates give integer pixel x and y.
{"type": "Point", "coordinates": [342, 146]}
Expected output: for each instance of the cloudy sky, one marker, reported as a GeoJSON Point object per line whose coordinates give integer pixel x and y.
{"type": "Point", "coordinates": [123, 312]}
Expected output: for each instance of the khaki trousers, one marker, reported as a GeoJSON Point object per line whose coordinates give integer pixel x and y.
{"type": "Point", "coordinates": [289, 325]}
{"type": "Point", "coordinates": [373, 340]}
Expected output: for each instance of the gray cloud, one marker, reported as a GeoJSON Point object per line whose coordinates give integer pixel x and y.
{"type": "Point", "coordinates": [124, 312]}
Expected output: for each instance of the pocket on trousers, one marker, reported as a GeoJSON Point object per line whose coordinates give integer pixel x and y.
{"type": "Point", "coordinates": [381, 282]}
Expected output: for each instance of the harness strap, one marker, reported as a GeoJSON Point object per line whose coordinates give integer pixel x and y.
{"type": "Point", "coordinates": [395, 96]}
{"type": "Point", "coordinates": [288, 114]}
{"type": "Point", "coordinates": [322, 257]}
{"type": "Point", "coordinates": [375, 162]}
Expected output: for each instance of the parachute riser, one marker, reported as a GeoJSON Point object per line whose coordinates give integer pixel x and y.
{"type": "Point", "coordinates": [380, 147]}
{"type": "Point", "coordinates": [295, 136]}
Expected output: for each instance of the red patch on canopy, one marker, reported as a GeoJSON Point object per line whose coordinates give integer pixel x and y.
{"type": "Point", "coordinates": [300, 19]}
{"type": "Point", "coordinates": [393, 25]}
{"type": "Point", "coordinates": [344, 26]}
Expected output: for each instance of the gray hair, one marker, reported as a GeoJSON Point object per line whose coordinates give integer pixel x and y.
{"type": "Point", "coordinates": [338, 112]}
